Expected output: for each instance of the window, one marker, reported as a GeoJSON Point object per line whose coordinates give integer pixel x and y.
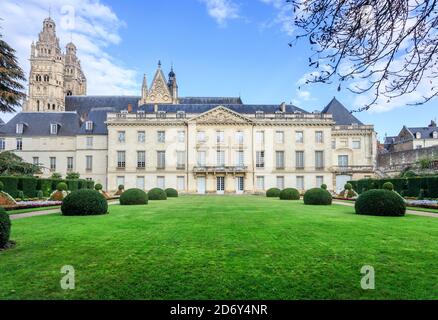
{"type": "Point", "coordinates": [260, 137]}
{"type": "Point", "coordinates": [319, 181]}
{"type": "Point", "coordinates": [319, 160]}
{"type": "Point", "coordinates": [201, 158]}
{"type": "Point", "coordinates": [319, 137]}
{"type": "Point", "coordinates": [53, 129]}
{"type": "Point", "coordinates": [201, 136]}
{"type": "Point", "coordinates": [121, 159]}
{"type": "Point", "coordinates": [356, 144]}
{"type": "Point", "coordinates": [52, 163]}
{"type": "Point", "coordinates": [299, 137]}
{"type": "Point", "coordinates": [344, 143]}
{"type": "Point", "coordinates": [279, 159]}
{"type": "Point", "coordinates": [89, 142]}
{"type": "Point", "coordinates": [435, 135]}
{"type": "Point", "coordinates": [141, 137]}
{"type": "Point", "coordinates": [279, 137]}
{"type": "Point", "coordinates": [121, 136]}
{"type": "Point", "coordinates": [181, 136]}
{"type": "Point", "coordinates": [279, 114]}
{"type": "Point", "coordinates": [239, 137]}
{"type": "Point", "coordinates": [161, 182]}
{"type": "Point", "coordinates": [141, 159]}
{"type": "Point", "coordinates": [300, 182]}
{"type": "Point", "coordinates": [180, 114]}
{"type": "Point", "coordinates": [260, 159]}
{"type": "Point", "coordinates": [181, 183]}
{"type": "Point", "coordinates": [2, 144]}
{"type": "Point", "coordinates": [161, 114]}
{"type": "Point", "coordinates": [89, 126]}
{"type": "Point", "coordinates": [36, 161]}
{"type": "Point", "coordinates": [220, 158]}
{"type": "Point", "coordinates": [140, 183]}
{"type": "Point", "coordinates": [260, 183]}
{"type": "Point", "coordinates": [220, 137]}
{"type": "Point", "coordinates": [333, 144]}
{"type": "Point", "coordinates": [20, 128]}
{"type": "Point", "coordinates": [89, 163]}
{"type": "Point", "coordinates": [240, 158]}
{"type": "Point", "coordinates": [70, 165]}
{"type": "Point", "coordinates": [343, 161]}
{"type": "Point", "coordinates": [280, 183]}
{"type": "Point", "coordinates": [120, 181]}
{"type": "Point", "coordinates": [260, 115]}
{"type": "Point", "coordinates": [180, 160]}
{"type": "Point", "coordinates": [161, 160]}
{"type": "Point", "coordinates": [418, 135]}
{"type": "Point", "coordinates": [19, 144]}
{"type": "Point", "coordinates": [299, 160]}
{"type": "Point", "coordinates": [161, 135]}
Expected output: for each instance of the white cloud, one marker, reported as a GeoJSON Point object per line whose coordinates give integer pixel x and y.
{"type": "Point", "coordinates": [284, 16]}
{"type": "Point", "coordinates": [222, 10]}
{"type": "Point", "coordinates": [91, 25]}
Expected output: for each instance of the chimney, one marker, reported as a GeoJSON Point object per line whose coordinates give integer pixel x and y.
{"type": "Point", "coordinates": [283, 107]}
{"type": "Point", "coordinates": [129, 108]}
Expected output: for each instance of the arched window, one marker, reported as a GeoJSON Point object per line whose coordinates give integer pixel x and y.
{"type": "Point", "coordinates": [69, 93]}
{"type": "Point", "coordinates": [46, 78]}
{"type": "Point", "coordinates": [53, 107]}
{"type": "Point", "coordinates": [38, 105]}
{"type": "Point", "coordinates": [48, 106]}
{"type": "Point", "coordinates": [418, 135]}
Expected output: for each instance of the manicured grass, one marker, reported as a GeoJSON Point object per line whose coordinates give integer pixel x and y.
{"type": "Point", "coordinates": [222, 248]}
{"type": "Point", "coordinates": [20, 211]}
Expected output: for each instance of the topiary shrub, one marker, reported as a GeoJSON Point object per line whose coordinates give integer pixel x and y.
{"type": "Point", "coordinates": [62, 186]}
{"type": "Point", "coordinates": [388, 186]}
{"type": "Point", "coordinates": [98, 187]}
{"type": "Point", "coordinates": [21, 195]}
{"type": "Point", "coordinates": [120, 190]}
{"type": "Point", "coordinates": [40, 194]}
{"type": "Point", "coordinates": [171, 193]}
{"type": "Point", "coordinates": [157, 194]}
{"type": "Point", "coordinates": [317, 196]}
{"type": "Point", "coordinates": [5, 228]}
{"type": "Point", "coordinates": [273, 193]}
{"type": "Point", "coordinates": [380, 203]}
{"type": "Point", "coordinates": [324, 186]}
{"type": "Point", "coordinates": [84, 203]}
{"type": "Point", "coordinates": [348, 186]}
{"type": "Point", "coordinates": [290, 194]}
{"type": "Point", "coordinates": [133, 197]}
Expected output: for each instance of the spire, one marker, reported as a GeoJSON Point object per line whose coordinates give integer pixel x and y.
{"type": "Point", "coordinates": [159, 64]}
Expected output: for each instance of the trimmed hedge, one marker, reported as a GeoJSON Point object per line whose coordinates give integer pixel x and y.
{"type": "Point", "coordinates": [290, 194]}
{"type": "Point", "coordinates": [84, 203]}
{"type": "Point", "coordinates": [28, 185]}
{"type": "Point", "coordinates": [157, 194]}
{"type": "Point", "coordinates": [133, 197]}
{"type": "Point", "coordinates": [73, 185]}
{"type": "Point", "coordinates": [62, 186]}
{"type": "Point", "coordinates": [380, 203]}
{"type": "Point", "coordinates": [5, 228]}
{"type": "Point", "coordinates": [171, 193]}
{"type": "Point", "coordinates": [273, 193]}
{"type": "Point", "coordinates": [317, 196]}
{"type": "Point", "coordinates": [10, 185]}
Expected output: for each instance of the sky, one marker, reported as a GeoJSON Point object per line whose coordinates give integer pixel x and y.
{"type": "Point", "coordinates": [217, 48]}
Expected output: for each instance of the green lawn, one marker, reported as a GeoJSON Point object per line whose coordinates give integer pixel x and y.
{"type": "Point", "coordinates": [222, 248]}
{"type": "Point", "coordinates": [20, 211]}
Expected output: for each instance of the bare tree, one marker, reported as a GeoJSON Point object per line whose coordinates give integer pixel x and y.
{"type": "Point", "coordinates": [387, 47]}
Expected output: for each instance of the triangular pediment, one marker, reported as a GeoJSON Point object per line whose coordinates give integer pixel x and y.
{"type": "Point", "coordinates": [159, 92]}
{"type": "Point", "coordinates": [221, 115]}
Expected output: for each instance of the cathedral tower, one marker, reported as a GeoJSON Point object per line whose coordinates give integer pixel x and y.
{"type": "Point", "coordinates": [75, 81]}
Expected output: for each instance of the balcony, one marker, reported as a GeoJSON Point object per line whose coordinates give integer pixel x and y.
{"type": "Point", "coordinates": [352, 169]}
{"type": "Point", "coordinates": [220, 169]}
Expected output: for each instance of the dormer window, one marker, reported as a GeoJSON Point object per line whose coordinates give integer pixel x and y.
{"type": "Point", "coordinates": [89, 125]}
{"type": "Point", "coordinates": [435, 135]}
{"type": "Point", "coordinates": [161, 114]}
{"type": "Point", "coordinates": [141, 114]}
{"type": "Point", "coordinates": [260, 115]}
{"type": "Point", "coordinates": [53, 129]}
{"type": "Point", "coordinates": [180, 114]}
{"type": "Point", "coordinates": [418, 135]}
{"type": "Point", "coordinates": [124, 112]}
{"type": "Point", "coordinates": [20, 128]}
{"type": "Point", "coordinates": [279, 115]}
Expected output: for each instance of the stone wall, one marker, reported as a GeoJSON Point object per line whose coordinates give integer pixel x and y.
{"type": "Point", "coordinates": [396, 161]}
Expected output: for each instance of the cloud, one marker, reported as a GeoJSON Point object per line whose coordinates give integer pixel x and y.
{"type": "Point", "coordinates": [91, 25]}
{"type": "Point", "coordinates": [283, 18]}
{"type": "Point", "coordinates": [222, 10]}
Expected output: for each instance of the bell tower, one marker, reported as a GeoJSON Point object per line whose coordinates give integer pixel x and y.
{"type": "Point", "coordinates": [75, 81]}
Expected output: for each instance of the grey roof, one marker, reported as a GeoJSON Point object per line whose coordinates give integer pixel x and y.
{"type": "Point", "coordinates": [38, 123]}
{"type": "Point", "coordinates": [340, 114]}
{"type": "Point", "coordinates": [210, 100]}
{"type": "Point", "coordinates": [98, 117]}
{"type": "Point", "coordinates": [84, 104]}
{"type": "Point", "coordinates": [426, 132]}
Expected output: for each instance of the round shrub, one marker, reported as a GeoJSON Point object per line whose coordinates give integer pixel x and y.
{"type": "Point", "coordinates": [84, 202]}
{"type": "Point", "coordinates": [171, 193]}
{"type": "Point", "coordinates": [273, 193]}
{"type": "Point", "coordinates": [318, 196]}
{"type": "Point", "coordinates": [5, 228]}
{"type": "Point", "coordinates": [348, 186]}
{"type": "Point", "coordinates": [157, 194]}
{"type": "Point", "coordinates": [388, 186]}
{"type": "Point", "coordinates": [98, 187]}
{"type": "Point", "coordinates": [133, 197]}
{"type": "Point", "coordinates": [2, 186]}
{"type": "Point", "coordinates": [324, 186]}
{"type": "Point", "coordinates": [380, 203]}
{"type": "Point", "coordinates": [290, 194]}
{"type": "Point", "coordinates": [121, 187]}
{"type": "Point", "coordinates": [62, 186]}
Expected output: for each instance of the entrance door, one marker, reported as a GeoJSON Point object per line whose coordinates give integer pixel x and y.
{"type": "Point", "coordinates": [201, 185]}
{"type": "Point", "coordinates": [341, 181]}
{"type": "Point", "coordinates": [220, 185]}
{"type": "Point", "coordinates": [240, 185]}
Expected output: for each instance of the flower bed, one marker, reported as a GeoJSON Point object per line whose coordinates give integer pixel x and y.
{"type": "Point", "coordinates": [427, 204]}
{"type": "Point", "coordinates": [344, 199]}
{"type": "Point", "coordinates": [33, 204]}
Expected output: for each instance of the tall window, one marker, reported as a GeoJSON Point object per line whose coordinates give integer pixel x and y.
{"type": "Point", "coordinates": [356, 144]}
{"type": "Point", "coordinates": [89, 126]}
{"type": "Point", "coordinates": [319, 160]}
{"type": "Point", "coordinates": [36, 161]}
{"type": "Point", "coordinates": [279, 137]}
{"type": "Point", "coordinates": [260, 137]}
{"type": "Point", "coordinates": [319, 137]}
{"type": "Point", "coordinates": [181, 183]}
{"type": "Point", "coordinates": [161, 159]}
{"type": "Point", "coordinates": [300, 182]}
{"type": "Point", "coordinates": [260, 159]}
{"type": "Point", "coordinates": [120, 181]}
{"type": "Point", "coordinates": [53, 129]}
{"type": "Point", "coordinates": [333, 144]}
{"type": "Point", "coordinates": [201, 136]}
{"type": "Point", "coordinates": [70, 165]}
{"type": "Point", "coordinates": [52, 163]}
{"type": "Point", "coordinates": [260, 183]}
{"type": "Point", "coordinates": [181, 136]}
{"type": "Point", "coordinates": [279, 157]}
{"type": "Point", "coordinates": [280, 183]}
{"type": "Point", "coordinates": [19, 128]}
{"type": "Point", "coordinates": [240, 158]}
{"type": "Point", "coordinates": [161, 136]}
{"type": "Point", "coordinates": [121, 136]}
{"type": "Point", "coordinates": [89, 163]}
{"type": "Point", "coordinates": [2, 144]}
{"type": "Point", "coordinates": [220, 158]}
{"type": "Point", "coordinates": [299, 137]}
{"type": "Point", "coordinates": [220, 137]}
{"type": "Point", "coordinates": [299, 159]}
{"type": "Point", "coordinates": [90, 142]}
{"type": "Point", "coordinates": [319, 181]}
{"type": "Point", "coordinates": [201, 158]}
{"type": "Point", "coordinates": [343, 161]}
{"type": "Point", "coordinates": [141, 159]}
{"type": "Point", "coordinates": [121, 159]}
{"type": "Point", "coordinates": [19, 144]}
{"type": "Point", "coordinates": [161, 182]}
{"type": "Point", "coordinates": [141, 137]}
{"type": "Point", "coordinates": [180, 160]}
{"type": "Point", "coordinates": [239, 137]}
{"type": "Point", "coordinates": [140, 183]}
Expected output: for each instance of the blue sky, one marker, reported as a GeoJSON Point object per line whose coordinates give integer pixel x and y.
{"type": "Point", "coordinates": [218, 48]}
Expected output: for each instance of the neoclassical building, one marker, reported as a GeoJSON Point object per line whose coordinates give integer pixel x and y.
{"type": "Point", "coordinates": [193, 144]}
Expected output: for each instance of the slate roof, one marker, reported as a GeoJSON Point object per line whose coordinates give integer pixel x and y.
{"type": "Point", "coordinates": [426, 132]}
{"type": "Point", "coordinates": [340, 114]}
{"type": "Point", "coordinates": [210, 100]}
{"type": "Point", "coordinates": [84, 104]}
